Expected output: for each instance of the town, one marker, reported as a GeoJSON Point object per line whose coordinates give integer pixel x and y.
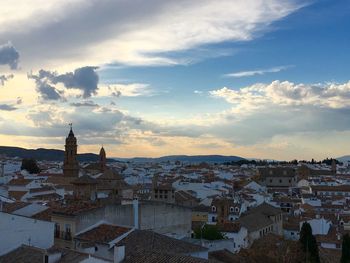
{"type": "Point", "coordinates": [116, 211]}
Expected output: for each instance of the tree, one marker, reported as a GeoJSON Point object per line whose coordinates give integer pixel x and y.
{"type": "Point", "coordinates": [30, 165]}
{"type": "Point", "coordinates": [209, 232]}
{"type": "Point", "coordinates": [309, 244]}
{"type": "Point", "coordinates": [345, 253]}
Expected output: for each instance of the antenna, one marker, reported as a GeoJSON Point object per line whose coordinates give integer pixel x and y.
{"type": "Point", "coordinates": [70, 125]}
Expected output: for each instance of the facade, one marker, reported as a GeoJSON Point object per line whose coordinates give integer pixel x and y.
{"type": "Point", "coordinates": [163, 218]}
{"type": "Point", "coordinates": [70, 164]}
{"type": "Point", "coordinates": [162, 192]}
{"type": "Point", "coordinates": [261, 221]}
{"type": "Point", "coordinates": [324, 190]}
{"type": "Point", "coordinates": [277, 177]}
{"type": "Point", "coordinates": [224, 210]}
{"type": "Point", "coordinates": [16, 230]}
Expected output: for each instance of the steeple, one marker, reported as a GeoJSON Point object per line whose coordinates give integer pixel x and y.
{"type": "Point", "coordinates": [71, 165]}
{"type": "Point", "coordinates": [102, 159]}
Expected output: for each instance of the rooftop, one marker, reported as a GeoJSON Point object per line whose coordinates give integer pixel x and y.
{"type": "Point", "coordinates": [103, 233]}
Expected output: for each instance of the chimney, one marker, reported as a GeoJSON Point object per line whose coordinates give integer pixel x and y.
{"type": "Point", "coordinates": [135, 204]}
{"type": "Point", "coordinates": [119, 254]}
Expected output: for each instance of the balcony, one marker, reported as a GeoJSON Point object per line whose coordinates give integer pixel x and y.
{"type": "Point", "coordinates": [66, 235]}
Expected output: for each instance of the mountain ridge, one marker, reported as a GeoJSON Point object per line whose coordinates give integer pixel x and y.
{"type": "Point", "coordinates": [42, 154]}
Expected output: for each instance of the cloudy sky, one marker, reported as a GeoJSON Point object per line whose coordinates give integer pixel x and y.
{"type": "Point", "coordinates": [253, 78]}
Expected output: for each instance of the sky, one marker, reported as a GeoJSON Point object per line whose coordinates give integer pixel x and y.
{"type": "Point", "coordinates": [253, 78]}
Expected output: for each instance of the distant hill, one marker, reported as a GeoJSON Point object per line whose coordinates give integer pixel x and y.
{"type": "Point", "coordinates": [343, 159]}
{"type": "Point", "coordinates": [185, 158]}
{"type": "Point", "coordinates": [46, 154]}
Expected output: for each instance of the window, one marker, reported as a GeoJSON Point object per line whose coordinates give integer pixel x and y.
{"type": "Point", "coordinates": [231, 209]}
{"type": "Point", "coordinates": [237, 209]}
{"type": "Point", "coordinates": [57, 230]}
{"type": "Point", "coordinates": [213, 208]}
{"type": "Point", "coordinates": [213, 219]}
{"type": "Point", "coordinates": [280, 180]}
{"type": "Point", "coordinates": [292, 233]}
{"type": "Point", "coordinates": [231, 219]}
{"type": "Point", "coordinates": [270, 180]}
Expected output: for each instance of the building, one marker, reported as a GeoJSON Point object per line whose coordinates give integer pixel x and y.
{"type": "Point", "coordinates": [261, 221]}
{"type": "Point", "coordinates": [326, 191]}
{"type": "Point", "coordinates": [224, 210]}
{"type": "Point", "coordinates": [16, 230]}
{"type": "Point", "coordinates": [70, 163]}
{"type": "Point", "coordinates": [163, 218]}
{"type": "Point", "coordinates": [162, 191]}
{"type": "Point", "coordinates": [99, 240]}
{"type": "Point", "coordinates": [277, 177]}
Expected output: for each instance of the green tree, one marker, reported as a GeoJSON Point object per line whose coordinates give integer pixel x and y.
{"type": "Point", "coordinates": [309, 244]}
{"type": "Point", "coordinates": [209, 232]}
{"type": "Point", "coordinates": [345, 253]}
{"type": "Point", "coordinates": [30, 165]}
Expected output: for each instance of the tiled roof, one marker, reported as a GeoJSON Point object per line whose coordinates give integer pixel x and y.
{"type": "Point", "coordinates": [258, 217]}
{"type": "Point", "coordinates": [20, 181]}
{"type": "Point", "coordinates": [41, 189]}
{"type": "Point", "coordinates": [17, 195]}
{"type": "Point", "coordinates": [230, 227]}
{"type": "Point", "coordinates": [103, 233]}
{"type": "Point", "coordinates": [85, 179]}
{"type": "Point", "coordinates": [222, 256]}
{"type": "Point", "coordinates": [156, 257]}
{"type": "Point", "coordinates": [11, 207]}
{"type": "Point", "coordinates": [23, 254]}
{"type": "Point", "coordinates": [74, 208]}
{"type": "Point", "coordinates": [145, 240]}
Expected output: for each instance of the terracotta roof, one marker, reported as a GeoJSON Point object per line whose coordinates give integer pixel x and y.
{"type": "Point", "coordinates": [258, 217]}
{"type": "Point", "coordinates": [103, 233]}
{"type": "Point", "coordinates": [74, 208]}
{"type": "Point", "coordinates": [20, 181]}
{"type": "Point", "coordinates": [85, 179]}
{"type": "Point", "coordinates": [140, 241]}
{"type": "Point", "coordinates": [41, 189]}
{"type": "Point", "coordinates": [23, 254]}
{"type": "Point", "coordinates": [163, 257]}
{"type": "Point", "coordinates": [224, 256]}
{"type": "Point", "coordinates": [17, 195]}
{"type": "Point", "coordinates": [11, 207]}
{"type": "Point", "coordinates": [230, 227]}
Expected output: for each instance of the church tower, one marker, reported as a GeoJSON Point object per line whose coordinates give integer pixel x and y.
{"type": "Point", "coordinates": [71, 165]}
{"type": "Point", "coordinates": [102, 159]}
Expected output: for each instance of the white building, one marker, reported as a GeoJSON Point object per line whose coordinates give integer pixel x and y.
{"type": "Point", "coordinates": [16, 230]}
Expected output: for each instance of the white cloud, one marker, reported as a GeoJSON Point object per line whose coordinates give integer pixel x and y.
{"type": "Point", "coordinates": [126, 90]}
{"type": "Point", "coordinates": [251, 73]}
{"type": "Point", "coordinates": [285, 93]}
{"type": "Point", "coordinates": [131, 32]}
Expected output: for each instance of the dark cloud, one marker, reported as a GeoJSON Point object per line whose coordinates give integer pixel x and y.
{"type": "Point", "coordinates": [9, 55]}
{"type": "Point", "coordinates": [4, 78]}
{"type": "Point", "coordinates": [7, 107]}
{"type": "Point", "coordinates": [88, 103]}
{"type": "Point", "coordinates": [84, 79]}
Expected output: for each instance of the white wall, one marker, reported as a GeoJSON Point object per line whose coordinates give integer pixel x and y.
{"type": "Point", "coordinates": [17, 230]}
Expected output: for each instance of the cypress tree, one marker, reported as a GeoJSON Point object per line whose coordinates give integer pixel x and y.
{"type": "Point", "coordinates": [345, 253]}
{"type": "Point", "coordinates": [309, 244]}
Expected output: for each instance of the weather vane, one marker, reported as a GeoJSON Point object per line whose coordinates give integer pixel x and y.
{"type": "Point", "coordinates": [70, 125]}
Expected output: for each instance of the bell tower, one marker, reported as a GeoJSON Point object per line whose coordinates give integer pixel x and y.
{"type": "Point", "coordinates": [70, 164]}
{"type": "Point", "coordinates": [102, 159]}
